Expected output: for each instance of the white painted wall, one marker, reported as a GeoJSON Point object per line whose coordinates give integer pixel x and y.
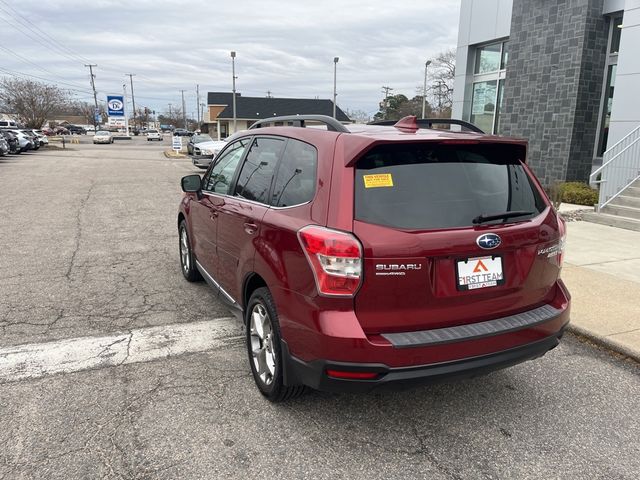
{"type": "Point", "coordinates": [625, 111]}
{"type": "Point", "coordinates": [481, 21]}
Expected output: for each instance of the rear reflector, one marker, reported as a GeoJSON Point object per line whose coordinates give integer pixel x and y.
{"type": "Point", "coordinates": [352, 375]}
{"type": "Point", "coordinates": [335, 258]}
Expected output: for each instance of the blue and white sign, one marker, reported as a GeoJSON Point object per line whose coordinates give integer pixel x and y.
{"type": "Point", "coordinates": [115, 105]}
{"type": "Point", "coordinates": [176, 143]}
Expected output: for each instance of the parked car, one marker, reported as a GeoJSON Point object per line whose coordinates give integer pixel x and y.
{"type": "Point", "coordinates": [24, 141]}
{"type": "Point", "coordinates": [4, 147]}
{"type": "Point", "coordinates": [61, 131]}
{"type": "Point", "coordinates": [76, 130]}
{"type": "Point", "coordinates": [103, 136]}
{"type": "Point", "coordinates": [181, 132]}
{"type": "Point", "coordinates": [42, 137]}
{"type": "Point", "coordinates": [370, 255]}
{"type": "Point", "coordinates": [197, 138]}
{"type": "Point", "coordinates": [12, 140]}
{"type": "Point", "coordinates": [33, 138]}
{"type": "Point", "coordinates": [204, 152]}
{"type": "Point", "coordinates": [154, 135]}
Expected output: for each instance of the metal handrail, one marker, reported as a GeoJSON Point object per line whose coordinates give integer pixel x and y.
{"type": "Point", "coordinates": [620, 168]}
{"type": "Point", "coordinates": [626, 137]}
{"type": "Point", "coordinates": [300, 120]}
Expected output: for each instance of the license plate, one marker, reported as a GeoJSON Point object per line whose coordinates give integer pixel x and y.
{"type": "Point", "coordinates": [479, 272]}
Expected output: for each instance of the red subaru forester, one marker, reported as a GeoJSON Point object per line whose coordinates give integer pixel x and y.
{"type": "Point", "coordinates": [365, 255]}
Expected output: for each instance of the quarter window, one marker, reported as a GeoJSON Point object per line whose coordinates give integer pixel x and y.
{"type": "Point", "coordinates": [295, 181]}
{"type": "Point", "coordinates": [255, 177]}
{"type": "Point", "coordinates": [220, 176]}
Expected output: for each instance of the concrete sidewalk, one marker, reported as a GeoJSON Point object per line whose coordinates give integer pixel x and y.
{"type": "Point", "coordinates": [602, 271]}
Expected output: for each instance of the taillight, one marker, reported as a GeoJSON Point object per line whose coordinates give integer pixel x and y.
{"type": "Point", "coordinates": [335, 258]}
{"type": "Point", "coordinates": [562, 228]}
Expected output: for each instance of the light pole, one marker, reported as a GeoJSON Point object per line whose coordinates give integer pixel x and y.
{"type": "Point", "coordinates": [424, 89]}
{"type": "Point", "coordinates": [233, 73]}
{"type": "Point", "coordinates": [335, 94]}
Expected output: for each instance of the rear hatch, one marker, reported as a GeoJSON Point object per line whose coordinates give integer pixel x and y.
{"type": "Point", "coordinates": [433, 254]}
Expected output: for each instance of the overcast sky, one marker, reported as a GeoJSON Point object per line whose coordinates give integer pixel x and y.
{"type": "Point", "coordinates": [285, 47]}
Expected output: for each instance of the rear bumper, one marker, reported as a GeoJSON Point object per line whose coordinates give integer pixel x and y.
{"type": "Point", "coordinates": [314, 373]}
{"type": "Point", "coordinates": [334, 340]}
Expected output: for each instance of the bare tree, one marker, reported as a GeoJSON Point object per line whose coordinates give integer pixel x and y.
{"type": "Point", "coordinates": [85, 109]}
{"type": "Point", "coordinates": [442, 78]}
{"type": "Point", "coordinates": [358, 116]}
{"type": "Point", "coordinates": [31, 101]}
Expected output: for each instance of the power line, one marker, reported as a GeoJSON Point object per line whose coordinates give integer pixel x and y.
{"type": "Point", "coordinates": [27, 23]}
{"type": "Point", "coordinates": [15, 73]}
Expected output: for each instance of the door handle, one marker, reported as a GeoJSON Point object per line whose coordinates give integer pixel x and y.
{"type": "Point", "coordinates": [250, 228]}
{"type": "Point", "coordinates": [213, 214]}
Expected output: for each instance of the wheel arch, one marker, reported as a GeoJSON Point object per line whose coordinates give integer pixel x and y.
{"type": "Point", "coordinates": [252, 282]}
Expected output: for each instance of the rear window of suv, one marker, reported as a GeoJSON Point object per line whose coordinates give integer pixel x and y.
{"type": "Point", "coordinates": [434, 186]}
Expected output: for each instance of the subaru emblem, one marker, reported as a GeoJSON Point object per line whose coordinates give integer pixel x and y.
{"type": "Point", "coordinates": [488, 241]}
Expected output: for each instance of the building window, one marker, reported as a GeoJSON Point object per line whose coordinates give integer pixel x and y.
{"type": "Point", "coordinates": [483, 105]}
{"type": "Point", "coordinates": [616, 32]}
{"type": "Point", "coordinates": [488, 82]}
{"type": "Point", "coordinates": [488, 58]}
{"type": "Point", "coordinates": [606, 110]}
{"type": "Point", "coordinates": [615, 24]}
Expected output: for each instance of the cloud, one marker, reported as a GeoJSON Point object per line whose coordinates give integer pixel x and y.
{"type": "Point", "coordinates": [286, 47]}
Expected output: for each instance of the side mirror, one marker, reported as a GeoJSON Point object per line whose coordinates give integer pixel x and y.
{"type": "Point", "coordinates": [191, 183]}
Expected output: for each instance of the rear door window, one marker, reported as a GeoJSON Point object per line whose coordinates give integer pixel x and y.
{"type": "Point", "coordinates": [434, 186]}
{"type": "Point", "coordinates": [295, 181]}
{"type": "Point", "coordinates": [254, 180]}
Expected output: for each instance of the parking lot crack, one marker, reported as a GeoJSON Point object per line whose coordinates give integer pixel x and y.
{"type": "Point", "coordinates": [78, 235]}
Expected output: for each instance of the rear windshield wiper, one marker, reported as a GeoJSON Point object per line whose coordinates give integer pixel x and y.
{"type": "Point", "coordinates": [487, 218]}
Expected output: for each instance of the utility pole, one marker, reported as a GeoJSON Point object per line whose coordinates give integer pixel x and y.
{"type": "Point", "coordinates": [198, 103]}
{"type": "Point", "coordinates": [95, 96]}
{"type": "Point", "coordinates": [133, 98]}
{"type": "Point", "coordinates": [386, 91]}
{"type": "Point", "coordinates": [184, 110]}
{"type": "Point", "coordinates": [202, 112]}
{"type": "Point", "coordinates": [424, 89]}
{"type": "Point", "coordinates": [335, 93]}
{"type": "Point", "coordinates": [126, 117]}
{"type": "Point", "coordinates": [233, 73]}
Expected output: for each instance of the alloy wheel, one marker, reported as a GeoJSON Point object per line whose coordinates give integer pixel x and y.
{"type": "Point", "coordinates": [262, 349]}
{"type": "Point", "coordinates": [185, 258]}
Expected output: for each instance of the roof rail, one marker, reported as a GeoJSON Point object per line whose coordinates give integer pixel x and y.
{"type": "Point", "coordinates": [299, 121]}
{"type": "Point", "coordinates": [411, 122]}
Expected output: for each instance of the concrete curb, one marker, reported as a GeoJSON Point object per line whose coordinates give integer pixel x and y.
{"type": "Point", "coordinates": [604, 342]}
{"type": "Point", "coordinates": [173, 154]}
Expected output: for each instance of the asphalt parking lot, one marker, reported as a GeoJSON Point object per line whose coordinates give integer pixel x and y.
{"type": "Point", "coordinates": [89, 255]}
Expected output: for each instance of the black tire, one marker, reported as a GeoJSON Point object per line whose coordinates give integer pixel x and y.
{"type": "Point", "coordinates": [187, 259]}
{"type": "Point", "coordinates": [272, 385]}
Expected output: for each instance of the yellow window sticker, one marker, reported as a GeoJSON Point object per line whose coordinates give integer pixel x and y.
{"type": "Point", "coordinates": [378, 180]}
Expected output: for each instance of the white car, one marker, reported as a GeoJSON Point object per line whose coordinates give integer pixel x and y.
{"type": "Point", "coordinates": [103, 136]}
{"type": "Point", "coordinates": [205, 152]}
{"type": "Point", "coordinates": [154, 135]}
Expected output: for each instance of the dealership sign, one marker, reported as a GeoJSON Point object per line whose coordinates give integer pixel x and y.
{"type": "Point", "coordinates": [117, 122]}
{"type": "Point", "coordinates": [115, 105]}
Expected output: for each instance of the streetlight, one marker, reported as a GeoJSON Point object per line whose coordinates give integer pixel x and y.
{"type": "Point", "coordinates": [335, 94]}
{"type": "Point", "coordinates": [424, 89]}
{"type": "Point", "coordinates": [233, 73]}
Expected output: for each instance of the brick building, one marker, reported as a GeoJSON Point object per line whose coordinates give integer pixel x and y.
{"type": "Point", "coordinates": [547, 71]}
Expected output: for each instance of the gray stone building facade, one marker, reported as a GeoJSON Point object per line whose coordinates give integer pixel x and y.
{"type": "Point", "coordinates": [546, 71]}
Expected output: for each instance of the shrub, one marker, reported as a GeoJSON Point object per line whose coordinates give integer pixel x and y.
{"type": "Point", "coordinates": [578, 193]}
